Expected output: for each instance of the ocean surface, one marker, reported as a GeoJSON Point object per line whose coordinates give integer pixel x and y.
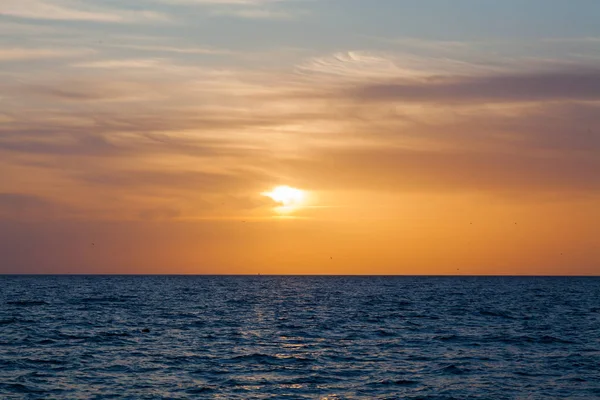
{"type": "Point", "coordinates": [284, 337]}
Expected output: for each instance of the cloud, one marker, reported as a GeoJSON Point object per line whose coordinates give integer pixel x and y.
{"type": "Point", "coordinates": [26, 207]}
{"type": "Point", "coordinates": [374, 66]}
{"type": "Point", "coordinates": [190, 181]}
{"type": "Point", "coordinates": [72, 10]}
{"type": "Point", "coordinates": [116, 64]}
{"type": "Point", "coordinates": [21, 54]}
{"type": "Point", "coordinates": [254, 13]}
{"type": "Point", "coordinates": [401, 170]}
{"type": "Point", "coordinates": [161, 139]}
{"type": "Point", "coordinates": [248, 9]}
{"type": "Point", "coordinates": [175, 49]}
{"type": "Point", "coordinates": [63, 144]}
{"type": "Point", "coordinates": [575, 84]}
{"type": "Point", "coordinates": [160, 213]}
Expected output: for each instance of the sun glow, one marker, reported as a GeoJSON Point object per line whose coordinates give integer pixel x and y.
{"type": "Point", "coordinates": [290, 198]}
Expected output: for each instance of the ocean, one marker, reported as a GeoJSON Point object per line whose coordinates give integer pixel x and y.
{"type": "Point", "coordinates": [299, 337]}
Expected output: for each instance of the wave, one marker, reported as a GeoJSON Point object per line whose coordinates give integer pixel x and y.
{"type": "Point", "coordinates": [107, 299]}
{"type": "Point", "coordinates": [525, 340]}
{"type": "Point", "coordinates": [27, 303]}
{"type": "Point", "coordinates": [396, 382]}
{"type": "Point", "coordinates": [20, 388]}
{"type": "Point", "coordinates": [453, 370]}
{"type": "Point", "coordinates": [259, 358]}
{"type": "Point", "coordinates": [492, 313]}
{"type": "Point", "coordinates": [201, 390]}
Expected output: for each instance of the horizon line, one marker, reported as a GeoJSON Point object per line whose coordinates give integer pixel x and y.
{"type": "Point", "coordinates": [311, 275]}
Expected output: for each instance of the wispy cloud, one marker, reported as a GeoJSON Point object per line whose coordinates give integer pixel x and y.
{"type": "Point", "coordinates": [121, 63]}
{"type": "Point", "coordinates": [248, 9]}
{"type": "Point", "coordinates": [254, 13]}
{"type": "Point", "coordinates": [73, 10]}
{"type": "Point", "coordinates": [27, 207]}
{"type": "Point", "coordinates": [364, 65]}
{"type": "Point", "coordinates": [174, 49]}
{"type": "Point", "coordinates": [19, 54]}
{"type": "Point", "coordinates": [559, 85]}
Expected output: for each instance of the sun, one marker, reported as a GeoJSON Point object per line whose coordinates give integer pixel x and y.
{"type": "Point", "coordinates": [290, 198]}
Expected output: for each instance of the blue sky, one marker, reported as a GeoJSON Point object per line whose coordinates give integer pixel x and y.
{"type": "Point", "coordinates": [323, 25]}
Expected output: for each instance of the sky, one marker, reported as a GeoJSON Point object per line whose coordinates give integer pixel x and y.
{"type": "Point", "coordinates": [424, 136]}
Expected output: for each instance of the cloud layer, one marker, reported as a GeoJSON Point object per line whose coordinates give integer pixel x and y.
{"type": "Point", "coordinates": [117, 120]}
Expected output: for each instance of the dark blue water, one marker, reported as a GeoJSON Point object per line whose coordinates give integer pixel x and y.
{"type": "Point", "coordinates": [261, 337]}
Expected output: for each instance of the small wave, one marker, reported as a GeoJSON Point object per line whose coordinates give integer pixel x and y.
{"type": "Point", "coordinates": [256, 357]}
{"type": "Point", "coordinates": [546, 339]}
{"type": "Point", "coordinates": [97, 338]}
{"type": "Point", "coordinates": [576, 379]}
{"type": "Point", "coordinates": [374, 320]}
{"type": "Point", "coordinates": [201, 390]}
{"type": "Point", "coordinates": [500, 314]}
{"type": "Point", "coordinates": [108, 299]}
{"type": "Point", "coordinates": [525, 373]}
{"type": "Point", "coordinates": [418, 357]}
{"type": "Point", "coordinates": [451, 338]}
{"type": "Point", "coordinates": [27, 303]}
{"type": "Point", "coordinates": [354, 336]}
{"type": "Point", "coordinates": [19, 388]}
{"type": "Point", "coordinates": [187, 359]}
{"type": "Point", "coordinates": [384, 333]}
{"type": "Point", "coordinates": [453, 370]}
{"type": "Point", "coordinates": [115, 334]}
{"type": "Point", "coordinates": [552, 339]}
{"type": "Point", "coordinates": [66, 336]}
{"type": "Point", "coordinates": [245, 302]}
{"type": "Point", "coordinates": [45, 362]}
{"type": "Point", "coordinates": [315, 379]}
{"type": "Point", "coordinates": [117, 368]}
{"type": "Point", "coordinates": [398, 382]}
{"type": "Point", "coordinates": [260, 358]}
{"type": "Point", "coordinates": [421, 316]}
{"type": "Point", "coordinates": [343, 359]}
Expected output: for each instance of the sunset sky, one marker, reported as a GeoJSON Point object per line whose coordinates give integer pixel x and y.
{"type": "Point", "coordinates": [424, 136]}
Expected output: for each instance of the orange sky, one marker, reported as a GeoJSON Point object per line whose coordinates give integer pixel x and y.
{"type": "Point", "coordinates": [143, 143]}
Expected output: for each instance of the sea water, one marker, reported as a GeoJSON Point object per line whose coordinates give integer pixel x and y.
{"type": "Point", "coordinates": [286, 337]}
